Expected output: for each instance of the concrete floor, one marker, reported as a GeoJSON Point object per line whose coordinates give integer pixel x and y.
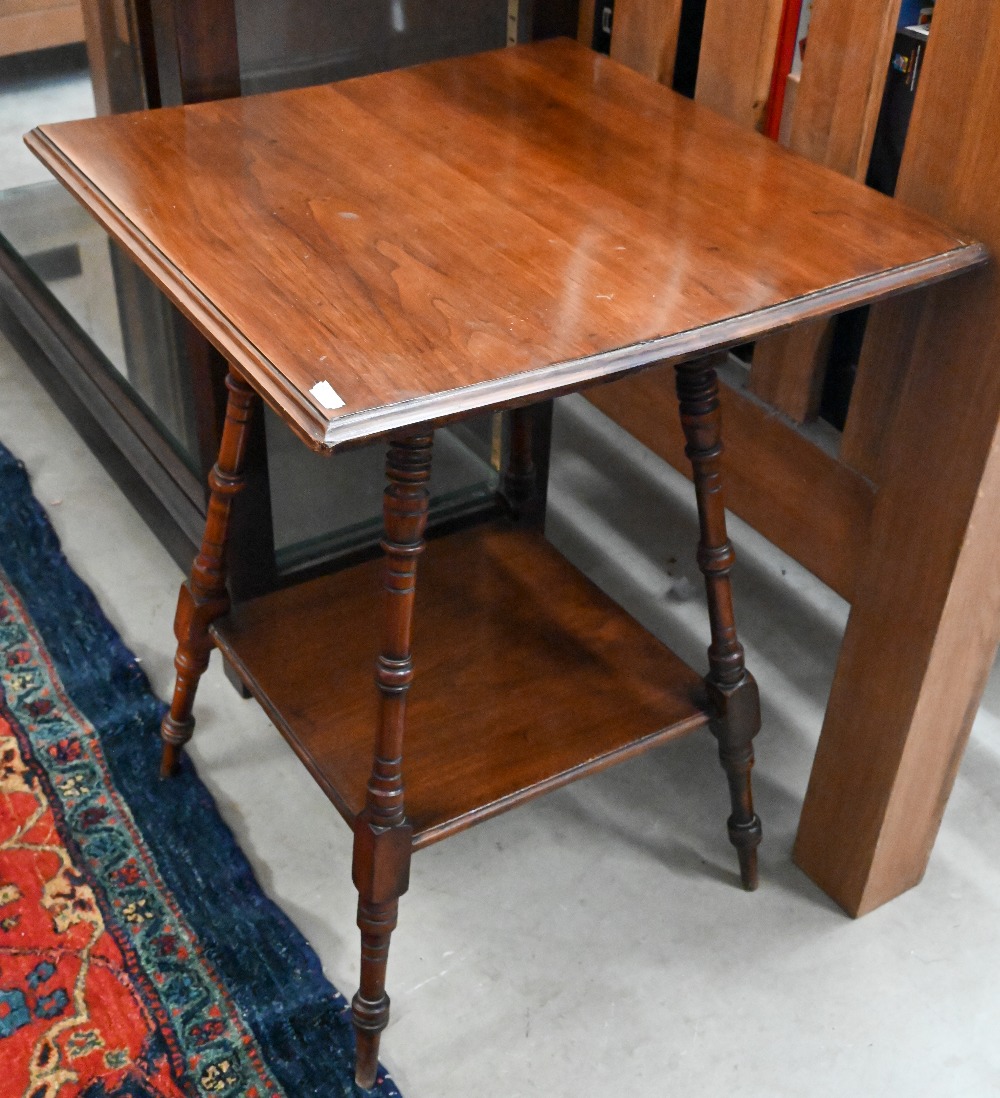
{"type": "Point", "coordinates": [595, 942]}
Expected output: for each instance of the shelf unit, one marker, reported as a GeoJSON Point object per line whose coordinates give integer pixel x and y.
{"type": "Point", "coordinates": [527, 678]}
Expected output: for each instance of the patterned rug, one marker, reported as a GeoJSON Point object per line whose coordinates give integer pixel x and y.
{"type": "Point", "coordinates": [138, 957]}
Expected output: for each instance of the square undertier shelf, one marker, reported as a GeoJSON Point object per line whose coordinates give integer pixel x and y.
{"type": "Point", "coordinates": [527, 677]}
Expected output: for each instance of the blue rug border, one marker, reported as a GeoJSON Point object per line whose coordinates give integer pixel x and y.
{"type": "Point", "coordinates": [109, 687]}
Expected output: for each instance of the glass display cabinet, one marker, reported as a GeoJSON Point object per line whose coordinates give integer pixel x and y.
{"type": "Point", "coordinates": [142, 387]}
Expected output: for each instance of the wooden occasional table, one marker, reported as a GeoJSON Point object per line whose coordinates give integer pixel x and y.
{"type": "Point", "coordinates": [381, 256]}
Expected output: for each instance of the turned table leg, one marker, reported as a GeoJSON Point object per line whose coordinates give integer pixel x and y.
{"type": "Point", "coordinates": [732, 691]}
{"type": "Point", "coordinates": [382, 838]}
{"type": "Point", "coordinates": [203, 598]}
{"type": "Point", "coordinates": [523, 482]}
{"type": "Point", "coordinates": [519, 472]}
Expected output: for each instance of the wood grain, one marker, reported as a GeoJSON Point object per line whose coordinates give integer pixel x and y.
{"type": "Point", "coordinates": [526, 677]}
{"type": "Point", "coordinates": [788, 369]}
{"type": "Point", "coordinates": [737, 57]}
{"type": "Point", "coordinates": [843, 79]}
{"type": "Point", "coordinates": [799, 497]}
{"type": "Point", "coordinates": [644, 36]}
{"type": "Point", "coordinates": [479, 232]}
{"type": "Point", "coordinates": [881, 375]}
{"type": "Point", "coordinates": [927, 611]}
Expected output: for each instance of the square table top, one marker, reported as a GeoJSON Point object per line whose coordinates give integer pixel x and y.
{"type": "Point", "coordinates": [478, 232]}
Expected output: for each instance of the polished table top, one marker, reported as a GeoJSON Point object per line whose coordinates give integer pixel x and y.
{"type": "Point", "coordinates": [477, 232]}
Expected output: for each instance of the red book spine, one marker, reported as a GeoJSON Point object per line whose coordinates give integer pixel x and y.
{"type": "Point", "coordinates": [783, 57]}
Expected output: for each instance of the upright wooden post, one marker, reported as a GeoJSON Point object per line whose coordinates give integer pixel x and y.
{"type": "Point", "coordinates": [836, 110]}
{"type": "Point", "coordinates": [882, 366]}
{"type": "Point", "coordinates": [925, 622]}
{"type": "Point", "coordinates": [737, 56]}
{"type": "Point", "coordinates": [737, 49]}
{"type": "Point", "coordinates": [644, 36]}
{"type": "Point", "coordinates": [208, 60]}
{"type": "Point", "coordinates": [585, 22]}
{"type": "Point", "coordinates": [843, 80]}
{"type": "Point", "coordinates": [199, 60]}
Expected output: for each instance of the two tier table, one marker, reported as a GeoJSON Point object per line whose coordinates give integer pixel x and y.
{"type": "Point", "coordinates": [382, 256]}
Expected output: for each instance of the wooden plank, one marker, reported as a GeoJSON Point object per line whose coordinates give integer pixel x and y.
{"type": "Point", "coordinates": [927, 183]}
{"type": "Point", "coordinates": [885, 357]}
{"type": "Point", "coordinates": [737, 56]}
{"type": "Point", "coordinates": [114, 36]}
{"type": "Point", "coordinates": [39, 25]}
{"type": "Point", "coordinates": [203, 33]}
{"type": "Point", "coordinates": [840, 92]}
{"type": "Point", "coordinates": [926, 618]}
{"type": "Point", "coordinates": [843, 79]}
{"type": "Point", "coordinates": [585, 27]}
{"type": "Point", "coordinates": [788, 111]}
{"type": "Point", "coordinates": [788, 368]}
{"type": "Point", "coordinates": [805, 501]}
{"type": "Point", "coordinates": [644, 36]}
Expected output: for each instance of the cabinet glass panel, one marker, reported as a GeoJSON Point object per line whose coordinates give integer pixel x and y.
{"type": "Point", "coordinates": [131, 325]}
{"type": "Point", "coordinates": [320, 506]}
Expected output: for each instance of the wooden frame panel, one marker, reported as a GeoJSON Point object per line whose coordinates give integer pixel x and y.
{"type": "Point", "coordinates": [585, 25]}
{"type": "Point", "coordinates": [737, 56]}
{"type": "Point", "coordinates": [774, 476]}
{"type": "Point", "coordinates": [843, 79]}
{"type": "Point", "coordinates": [836, 110]}
{"type": "Point", "coordinates": [927, 609]}
{"type": "Point", "coordinates": [926, 617]}
{"type": "Point", "coordinates": [735, 64]}
{"type": "Point", "coordinates": [644, 36]}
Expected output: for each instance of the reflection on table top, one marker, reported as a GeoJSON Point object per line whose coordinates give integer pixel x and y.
{"type": "Point", "coordinates": [479, 231]}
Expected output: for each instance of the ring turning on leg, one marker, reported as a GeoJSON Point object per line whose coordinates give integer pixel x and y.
{"type": "Point", "coordinates": [732, 691]}
{"type": "Point", "coordinates": [382, 837]}
{"type": "Point", "coordinates": [203, 598]}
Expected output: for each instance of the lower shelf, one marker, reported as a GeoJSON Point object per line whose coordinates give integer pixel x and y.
{"type": "Point", "coordinates": [527, 677]}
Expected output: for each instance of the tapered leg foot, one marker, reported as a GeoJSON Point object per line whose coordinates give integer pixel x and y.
{"type": "Point", "coordinates": [366, 1064]}
{"type": "Point", "coordinates": [736, 722]}
{"type": "Point", "coordinates": [194, 646]}
{"type": "Point", "coordinates": [748, 867]}
{"type": "Point", "coordinates": [370, 1005]}
{"type": "Point", "coordinates": [746, 836]}
{"type": "Point", "coordinates": [367, 1039]}
{"type": "Point", "coordinates": [191, 660]}
{"type": "Point", "coordinates": [170, 760]}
